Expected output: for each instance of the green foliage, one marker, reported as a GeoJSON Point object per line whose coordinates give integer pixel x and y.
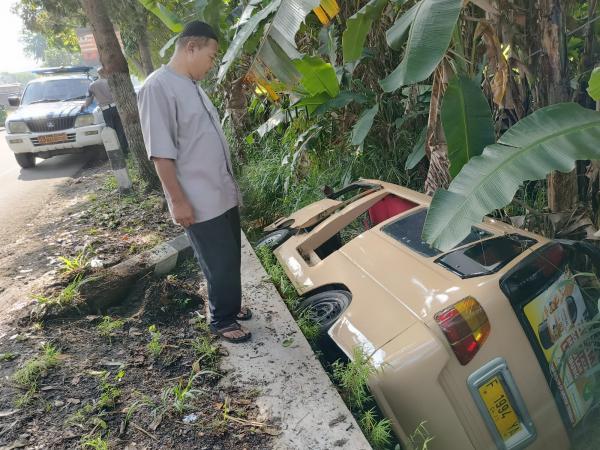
{"type": "Point", "coordinates": [552, 138]}
{"type": "Point", "coordinates": [110, 393]}
{"type": "Point", "coordinates": [418, 151]}
{"type": "Point", "coordinates": [310, 329]}
{"type": "Point", "coordinates": [167, 17]}
{"type": "Point", "coordinates": [364, 124]}
{"type": "Point", "coordinates": [108, 326]}
{"type": "Point", "coordinates": [7, 356]}
{"type": "Point", "coordinates": [397, 34]}
{"type": "Point", "coordinates": [76, 263]}
{"type": "Point", "coordinates": [206, 350]}
{"type": "Point", "coordinates": [96, 443]}
{"type": "Point", "coordinates": [353, 376]}
{"type": "Point", "coordinates": [154, 346]}
{"type": "Point", "coordinates": [243, 34]}
{"type": "Point", "coordinates": [317, 76]}
{"type": "Point", "coordinates": [421, 437]}
{"type": "Point", "coordinates": [467, 121]}
{"type": "Point", "coordinates": [378, 432]}
{"type": "Point", "coordinates": [28, 375]}
{"type": "Point", "coordinates": [428, 40]}
{"type": "Point", "coordinates": [358, 27]}
{"type": "Point", "coordinates": [594, 84]}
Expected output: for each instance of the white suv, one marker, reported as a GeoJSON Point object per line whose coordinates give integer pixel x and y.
{"type": "Point", "coordinates": [49, 120]}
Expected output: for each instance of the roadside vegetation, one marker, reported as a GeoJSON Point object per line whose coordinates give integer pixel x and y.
{"type": "Point", "coordinates": [146, 371]}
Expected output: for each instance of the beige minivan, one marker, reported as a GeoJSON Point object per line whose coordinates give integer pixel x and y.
{"type": "Point", "coordinates": [493, 344]}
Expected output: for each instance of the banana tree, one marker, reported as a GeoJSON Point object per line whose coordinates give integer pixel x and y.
{"type": "Point", "coordinates": [552, 138]}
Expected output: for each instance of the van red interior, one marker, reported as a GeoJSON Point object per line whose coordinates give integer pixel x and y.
{"type": "Point", "coordinates": [387, 207]}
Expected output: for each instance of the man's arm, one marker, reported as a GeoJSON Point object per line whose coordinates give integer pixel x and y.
{"type": "Point", "coordinates": [183, 213]}
{"type": "Point", "coordinates": [88, 99]}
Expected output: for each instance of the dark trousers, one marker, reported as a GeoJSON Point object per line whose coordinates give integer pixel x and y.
{"type": "Point", "coordinates": [217, 245]}
{"type": "Point", "coordinates": [113, 120]}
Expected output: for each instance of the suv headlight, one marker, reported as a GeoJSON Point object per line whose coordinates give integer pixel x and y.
{"type": "Point", "coordinates": [17, 126]}
{"type": "Point", "coordinates": [84, 120]}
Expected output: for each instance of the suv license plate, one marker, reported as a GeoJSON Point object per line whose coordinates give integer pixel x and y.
{"type": "Point", "coordinates": [500, 408]}
{"type": "Point", "coordinates": [52, 138]}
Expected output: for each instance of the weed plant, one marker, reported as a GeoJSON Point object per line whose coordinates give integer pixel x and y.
{"type": "Point", "coordinates": [28, 375]}
{"type": "Point", "coordinates": [154, 346]}
{"type": "Point", "coordinates": [95, 443]}
{"type": "Point", "coordinates": [378, 432]}
{"type": "Point", "coordinates": [68, 296]}
{"type": "Point", "coordinates": [108, 326]}
{"type": "Point", "coordinates": [76, 263]}
{"type": "Point", "coordinates": [206, 350]}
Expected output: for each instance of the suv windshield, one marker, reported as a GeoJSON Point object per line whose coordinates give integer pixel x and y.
{"type": "Point", "coordinates": [56, 90]}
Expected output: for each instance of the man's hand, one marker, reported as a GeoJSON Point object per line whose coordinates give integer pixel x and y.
{"type": "Point", "coordinates": [183, 213]}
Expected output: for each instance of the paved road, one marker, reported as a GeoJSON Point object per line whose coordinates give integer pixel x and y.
{"type": "Point", "coordinates": [24, 191]}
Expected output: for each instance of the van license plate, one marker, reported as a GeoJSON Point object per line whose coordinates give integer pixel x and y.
{"type": "Point", "coordinates": [500, 408]}
{"type": "Point", "coordinates": [52, 138]}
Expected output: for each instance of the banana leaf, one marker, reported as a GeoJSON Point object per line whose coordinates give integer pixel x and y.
{"type": "Point", "coordinates": [552, 138]}
{"type": "Point", "coordinates": [317, 76]}
{"type": "Point", "coordinates": [397, 33]}
{"type": "Point", "coordinates": [164, 14]}
{"type": "Point", "coordinates": [427, 42]}
{"type": "Point", "coordinates": [364, 124]}
{"type": "Point", "coordinates": [594, 84]}
{"type": "Point", "coordinates": [357, 29]}
{"type": "Point", "coordinates": [244, 33]}
{"type": "Point", "coordinates": [418, 151]}
{"type": "Point", "coordinates": [467, 121]}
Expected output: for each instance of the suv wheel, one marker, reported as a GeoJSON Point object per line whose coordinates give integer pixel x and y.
{"type": "Point", "coordinates": [25, 160]}
{"type": "Point", "coordinates": [326, 307]}
{"type": "Point", "coordinates": [274, 239]}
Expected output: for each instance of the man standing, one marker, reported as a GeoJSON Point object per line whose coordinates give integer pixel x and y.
{"type": "Point", "coordinates": [101, 92]}
{"type": "Point", "coordinates": [184, 138]}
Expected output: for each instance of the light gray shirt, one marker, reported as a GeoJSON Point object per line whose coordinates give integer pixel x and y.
{"type": "Point", "coordinates": [180, 122]}
{"type": "Point", "coordinates": [100, 90]}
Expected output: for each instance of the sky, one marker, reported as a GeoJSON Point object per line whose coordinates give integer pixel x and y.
{"type": "Point", "coordinates": [12, 56]}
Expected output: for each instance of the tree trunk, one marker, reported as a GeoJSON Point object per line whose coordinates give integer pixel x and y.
{"type": "Point", "coordinates": [144, 47]}
{"type": "Point", "coordinates": [554, 88]}
{"type": "Point", "coordinates": [114, 63]}
{"type": "Point", "coordinates": [436, 148]}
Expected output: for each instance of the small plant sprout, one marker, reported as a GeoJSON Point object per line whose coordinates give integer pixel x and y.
{"type": "Point", "coordinates": [206, 351]}
{"type": "Point", "coordinates": [379, 433]}
{"type": "Point", "coordinates": [95, 443]}
{"type": "Point", "coordinates": [154, 346]}
{"type": "Point", "coordinates": [76, 263]}
{"type": "Point", "coordinates": [108, 326]}
{"type": "Point", "coordinates": [109, 392]}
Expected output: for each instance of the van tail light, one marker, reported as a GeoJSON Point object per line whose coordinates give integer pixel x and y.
{"type": "Point", "coordinates": [466, 326]}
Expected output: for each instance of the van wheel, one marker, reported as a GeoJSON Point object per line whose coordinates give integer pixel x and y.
{"type": "Point", "coordinates": [25, 160]}
{"type": "Point", "coordinates": [274, 239]}
{"type": "Point", "coordinates": [326, 307]}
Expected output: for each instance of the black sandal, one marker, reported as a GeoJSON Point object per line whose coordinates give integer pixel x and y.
{"type": "Point", "coordinates": [228, 329]}
{"type": "Point", "coordinates": [244, 314]}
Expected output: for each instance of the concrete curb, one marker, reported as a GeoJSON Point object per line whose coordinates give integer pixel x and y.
{"type": "Point", "coordinates": [160, 260]}
{"type": "Point", "coordinates": [296, 395]}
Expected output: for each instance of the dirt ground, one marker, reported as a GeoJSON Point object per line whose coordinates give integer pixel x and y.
{"type": "Point", "coordinates": [141, 375]}
{"type": "Point", "coordinates": [86, 213]}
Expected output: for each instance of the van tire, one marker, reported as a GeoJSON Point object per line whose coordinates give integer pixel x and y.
{"type": "Point", "coordinates": [326, 307]}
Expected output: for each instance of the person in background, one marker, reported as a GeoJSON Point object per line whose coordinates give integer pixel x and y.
{"type": "Point", "coordinates": [100, 90]}
{"type": "Point", "coordinates": [183, 137]}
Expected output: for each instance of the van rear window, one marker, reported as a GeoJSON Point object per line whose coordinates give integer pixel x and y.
{"type": "Point", "coordinates": [486, 257]}
{"type": "Point", "coordinates": [408, 230]}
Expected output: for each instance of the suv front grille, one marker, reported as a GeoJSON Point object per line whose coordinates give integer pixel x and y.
{"type": "Point", "coordinates": [50, 124]}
